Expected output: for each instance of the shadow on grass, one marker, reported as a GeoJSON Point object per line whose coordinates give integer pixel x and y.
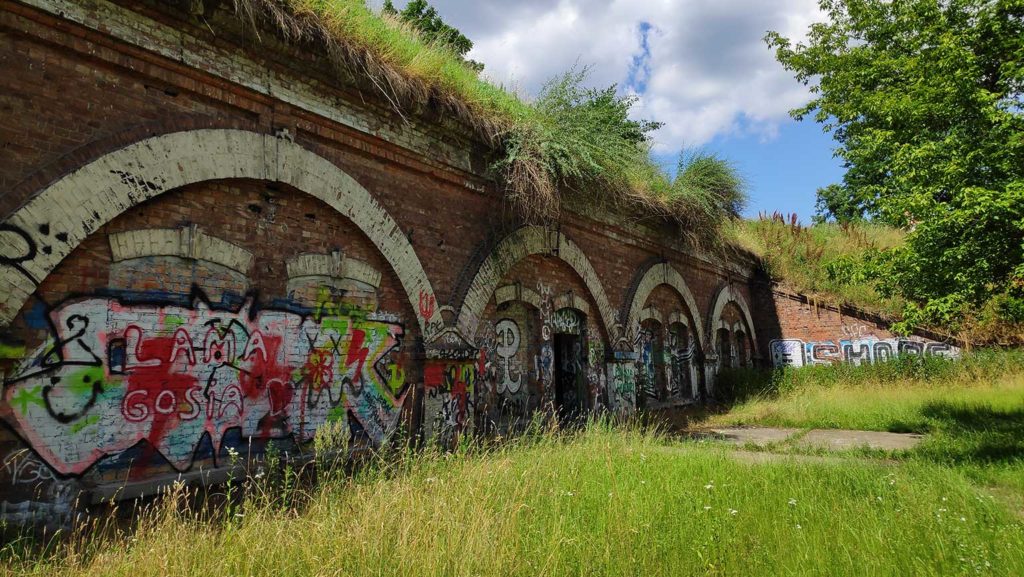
{"type": "Point", "coordinates": [973, 434]}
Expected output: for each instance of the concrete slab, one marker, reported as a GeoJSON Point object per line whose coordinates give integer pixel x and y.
{"type": "Point", "coordinates": [839, 440]}
{"type": "Point", "coordinates": [759, 436]}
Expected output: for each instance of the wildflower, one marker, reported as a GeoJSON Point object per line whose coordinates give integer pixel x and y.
{"type": "Point", "coordinates": [709, 486]}
{"type": "Point", "coordinates": [798, 526]}
{"type": "Point", "coordinates": [963, 519]}
{"type": "Point", "coordinates": [792, 502]}
{"type": "Point", "coordinates": [733, 511]}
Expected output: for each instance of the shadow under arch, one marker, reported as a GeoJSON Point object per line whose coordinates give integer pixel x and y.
{"type": "Point", "coordinates": [62, 214]}
{"type": "Point", "coordinates": [724, 296]}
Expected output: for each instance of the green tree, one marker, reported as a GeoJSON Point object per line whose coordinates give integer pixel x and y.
{"type": "Point", "coordinates": [925, 99]}
{"type": "Point", "coordinates": [424, 18]}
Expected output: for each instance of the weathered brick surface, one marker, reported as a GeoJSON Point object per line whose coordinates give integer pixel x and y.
{"type": "Point", "coordinates": [168, 197]}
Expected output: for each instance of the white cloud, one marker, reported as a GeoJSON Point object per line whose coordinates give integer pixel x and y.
{"type": "Point", "coordinates": [710, 72]}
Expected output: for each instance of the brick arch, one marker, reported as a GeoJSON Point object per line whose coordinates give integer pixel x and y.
{"type": "Point", "coordinates": [663, 274]}
{"type": "Point", "coordinates": [39, 235]}
{"type": "Point", "coordinates": [520, 244]}
{"type": "Point", "coordinates": [725, 296]}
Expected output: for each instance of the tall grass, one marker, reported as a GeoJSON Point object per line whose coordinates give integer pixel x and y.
{"type": "Point", "coordinates": [972, 411]}
{"type": "Point", "coordinates": [570, 140]}
{"type": "Point", "coordinates": [829, 262]}
{"type": "Point", "coordinates": [601, 502]}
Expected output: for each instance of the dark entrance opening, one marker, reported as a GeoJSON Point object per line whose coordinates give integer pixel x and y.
{"type": "Point", "coordinates": [568, 376]}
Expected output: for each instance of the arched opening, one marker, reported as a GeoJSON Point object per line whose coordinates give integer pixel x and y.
{"type": "Point", "coordinates": [188, 372]}
{"type": "Point", "coordinates": [651, 369]}
{"type": "Point", "coordinates": [724, 349]}
{"type": "Point", "coordinates": [569, 336]}
{"type": "Point", "coordinates": [682, 377]}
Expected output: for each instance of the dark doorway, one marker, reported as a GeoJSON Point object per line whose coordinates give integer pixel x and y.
{"type": "Point", "coordinates": [568, 376]}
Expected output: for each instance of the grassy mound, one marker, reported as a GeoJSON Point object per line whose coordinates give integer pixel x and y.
{"type": "Point", "coordinates": [828, 262]}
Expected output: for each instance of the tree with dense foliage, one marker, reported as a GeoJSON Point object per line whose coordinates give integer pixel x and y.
{"type": "Point", "coordinates": [926, 101]}
{"type": "Point", "coordinates": [428, 23]}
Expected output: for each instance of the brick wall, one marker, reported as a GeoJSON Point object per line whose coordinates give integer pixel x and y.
{"type": "Point", "coordinates": [811, 333]}
{"type": "Point", "coordinates": [208, 246]}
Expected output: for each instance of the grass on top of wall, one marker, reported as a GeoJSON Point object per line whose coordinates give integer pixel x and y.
{"type": "Point", "coordinates": [570, 139]}
{"type": "Point", "coordinates": [828, 262]}
{"type": "Point", "coordinates": [604, 501]}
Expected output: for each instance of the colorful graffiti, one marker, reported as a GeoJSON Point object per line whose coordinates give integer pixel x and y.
{"type": "Point", "coordinates": [797, 353]}
{"type": "Point", "coordinates": [116, 374]}
{"type": "Point", "coordinates": [450, 399]}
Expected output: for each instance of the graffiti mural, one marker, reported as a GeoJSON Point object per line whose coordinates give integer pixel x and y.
{"type": "Point", "coordinates": [507, 342]}
{"type": "Point", "coordinates": [450, 388]}
{"type": "Point", "coordinates": [679, 363]}
{"type": "Point", "coordinates": [622, 387]}
{"type": "Point", "coordinates": [567, 322]}
{"type": "Point", "coordinates": [116, 374]}
{"type": "Point", "coordinates": [646, 346]}
{"type": "Point", "coordinates": [597, 380]}
{"type": "Point", "coordinates": [797, 353]}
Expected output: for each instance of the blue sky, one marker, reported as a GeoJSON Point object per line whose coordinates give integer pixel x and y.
{"type": "Point", "coordinates": [782, 172]}
{"type": "Point", "coordinates": [701, 67]}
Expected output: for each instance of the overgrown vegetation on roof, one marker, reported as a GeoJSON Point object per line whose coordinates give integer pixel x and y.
{"type": "Point", "coordinates": [860, 264]}
{"type": "Point", "coordinates": [570, 140]}
{"type": "Point", "coordinates": [825, 261]}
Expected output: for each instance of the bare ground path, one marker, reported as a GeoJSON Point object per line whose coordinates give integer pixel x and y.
{"type": "Point", "coordinates": [828, 439]}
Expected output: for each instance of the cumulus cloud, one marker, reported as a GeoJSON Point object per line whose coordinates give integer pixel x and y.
{"type": "Point", "coordinates": [699, 66]}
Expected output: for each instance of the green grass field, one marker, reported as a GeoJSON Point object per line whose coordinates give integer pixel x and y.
{"type": "Point", "coordinates": [627, 501]}
{"type": "Point", "coordinates": [604, 502]}
{"type": "Point", "coordinates": [972, 411]}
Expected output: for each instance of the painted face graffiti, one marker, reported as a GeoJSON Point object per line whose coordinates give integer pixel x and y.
{"type": "Point", "coordinates": [115, 375]}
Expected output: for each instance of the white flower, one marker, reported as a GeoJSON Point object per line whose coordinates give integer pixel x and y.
{"type": "Point", "coordinates": [964, 519]}
{"type": "Point", "coordinates": [798, 526]}
{"type": "Point", "coordinates": [792, 502]}
{"type": "Point", "coordinates": [709, 486]}
{"type": "Point", "coordinates": [733, 511]}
